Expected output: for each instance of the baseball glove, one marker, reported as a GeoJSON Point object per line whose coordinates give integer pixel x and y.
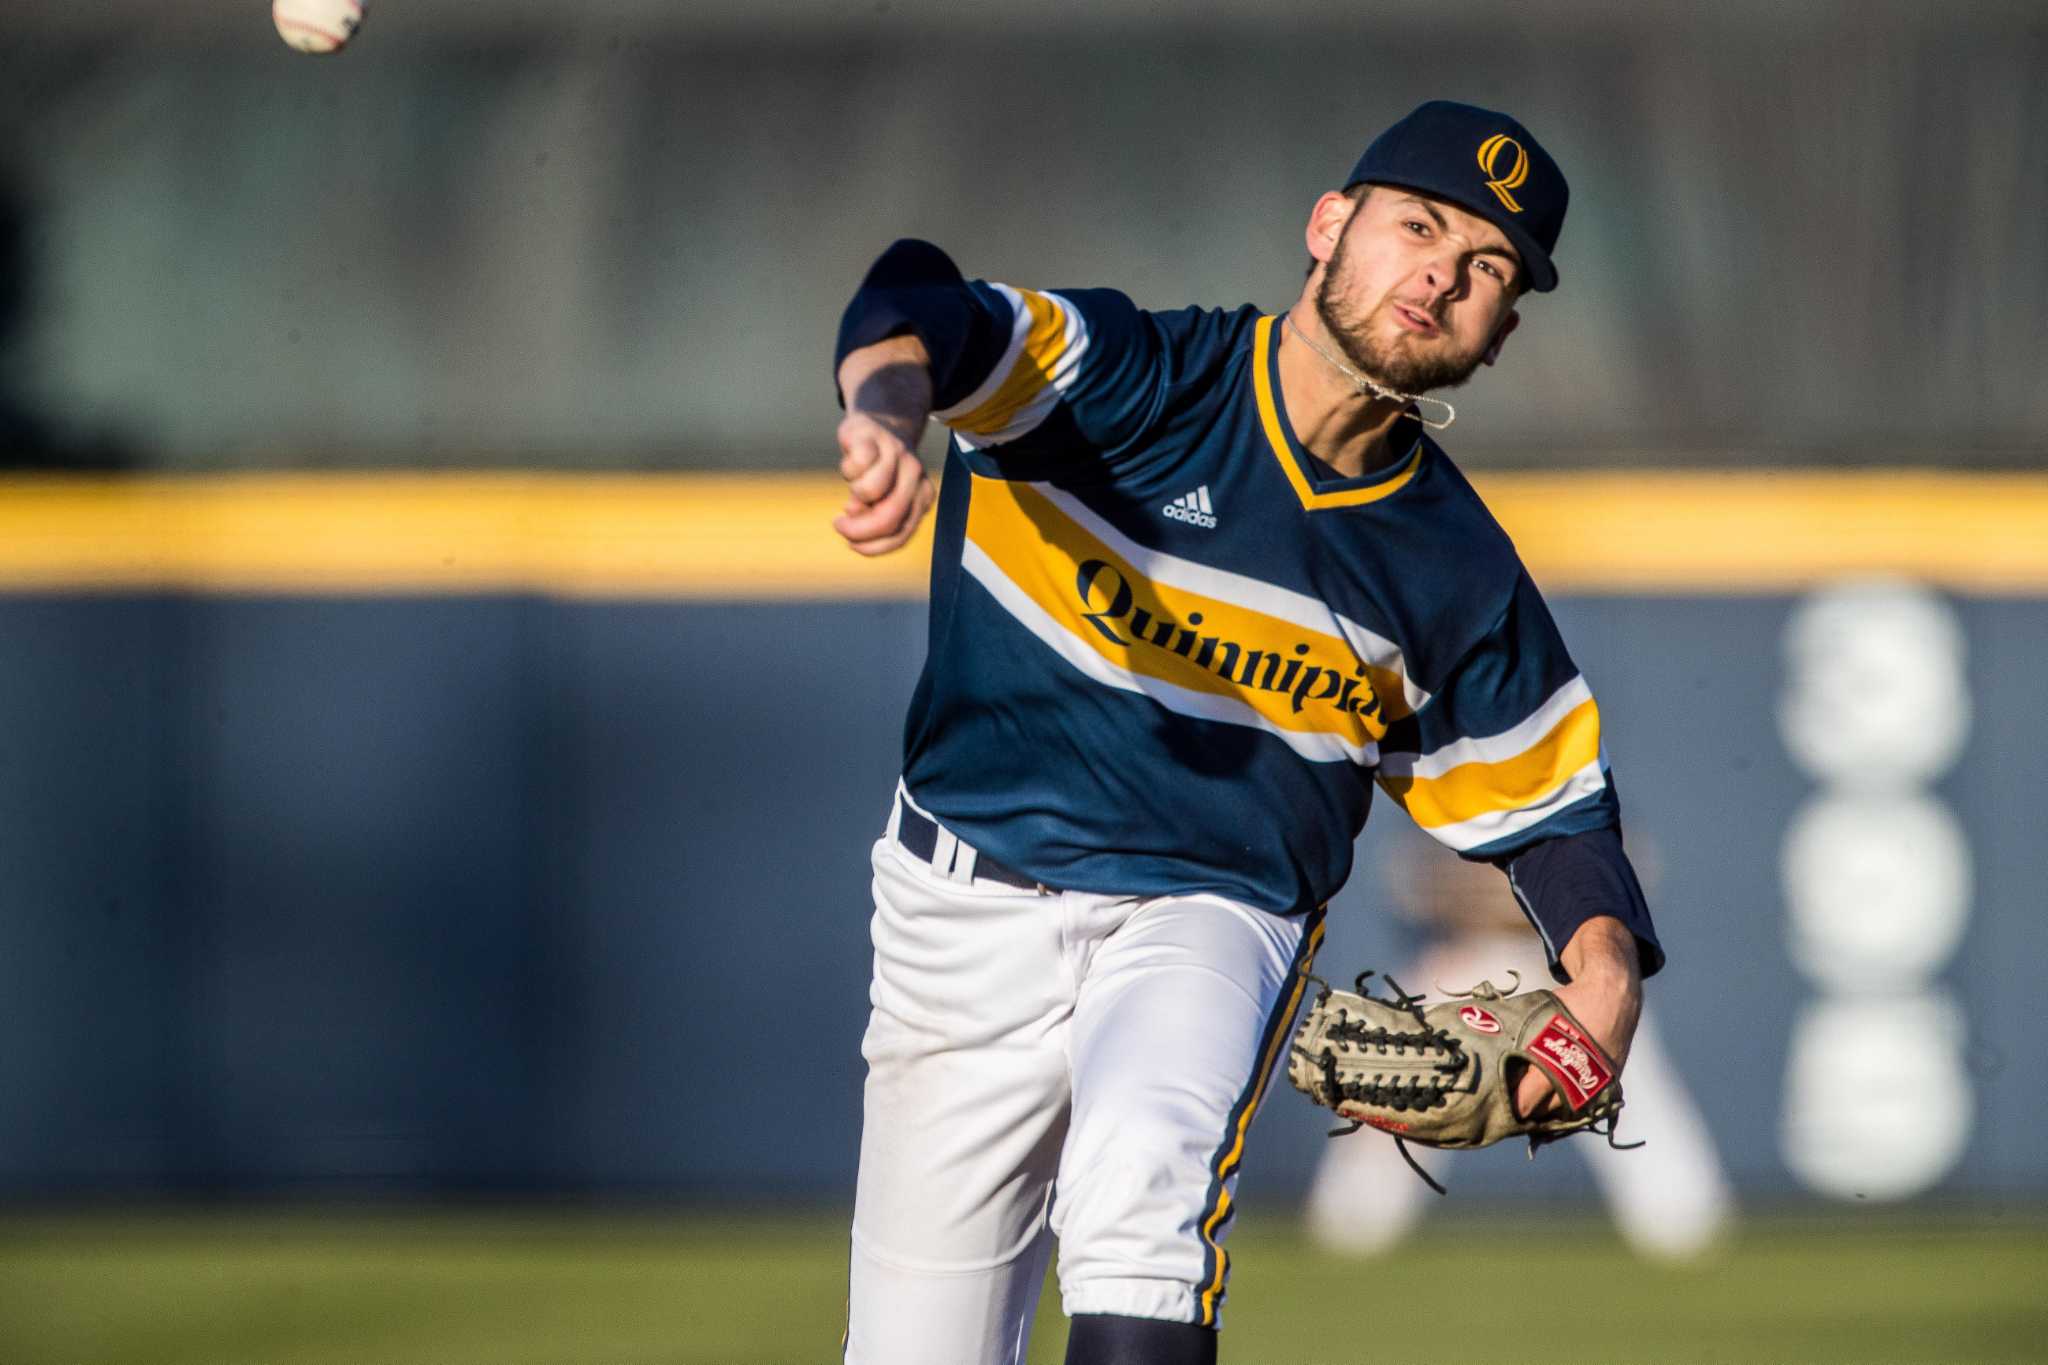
{"type": "Point", "coordinates": [1441, 1076]}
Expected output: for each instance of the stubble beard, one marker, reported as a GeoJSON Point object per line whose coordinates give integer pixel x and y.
{"type": "Point", "coordinates": [1396, 366]}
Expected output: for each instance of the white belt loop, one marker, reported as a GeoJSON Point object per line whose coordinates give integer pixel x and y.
{"type": "Point", "coordinates": [942, 852]}
{"type": "Point", "coordinates": [964, 859]}
{"type": "Point", "coordinates": [952, 858]}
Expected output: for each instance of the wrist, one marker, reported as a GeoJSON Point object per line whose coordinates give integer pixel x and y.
{"type": "Point", "coordinates": [890, 381]}
{"type": "Point", "coordinates": [905, 426]}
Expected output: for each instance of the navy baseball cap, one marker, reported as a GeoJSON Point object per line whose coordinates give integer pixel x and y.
{"type": "Point", "coordinates": [1481, 161]}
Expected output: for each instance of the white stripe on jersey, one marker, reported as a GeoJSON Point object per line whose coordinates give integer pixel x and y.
{"type": "Point", "coordinates": [1020, 328]}
{"type": "Point", "coordinates": [1313, 746]}
{"type": "Point", "coordinates": [1064, 369]}
{"type": "Point", "coordinates": [1511, 743]}
{"type": "Point", "coordinates": [1484, 829]}
{"type": "Point", "coordinates": [1278, 602]}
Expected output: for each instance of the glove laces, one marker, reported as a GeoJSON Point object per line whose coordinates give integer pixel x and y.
{"type": "Point", "coordinates": [1403, 1094]}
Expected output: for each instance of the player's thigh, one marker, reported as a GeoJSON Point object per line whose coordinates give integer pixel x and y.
{"type": "Point", "coordinates": [965, 1104]}
{"type": "Point", "coordinates": [1181, 1015]}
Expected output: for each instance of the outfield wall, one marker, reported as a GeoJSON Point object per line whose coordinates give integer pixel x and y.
{"type": "Point", "coordinates": [410, 835]}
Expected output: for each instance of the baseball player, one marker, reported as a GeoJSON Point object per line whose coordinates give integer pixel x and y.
{"type": "Point", "coordinates": [1201, 580]}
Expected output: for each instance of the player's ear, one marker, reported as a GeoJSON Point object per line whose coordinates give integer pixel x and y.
{"type": "Point", "coordinates": [1500, 336]}
{"type": "Point", "coordinates": [1326, 225]}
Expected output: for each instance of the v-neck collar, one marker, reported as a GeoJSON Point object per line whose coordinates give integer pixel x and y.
{"type": "Point", "coordinates": [1314, 490]}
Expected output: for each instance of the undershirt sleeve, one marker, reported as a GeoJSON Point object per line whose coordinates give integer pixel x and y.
{"type": "Point", "coordinates": [1564, 881]}
{"type": "Point", "coordinates": [914, 287]}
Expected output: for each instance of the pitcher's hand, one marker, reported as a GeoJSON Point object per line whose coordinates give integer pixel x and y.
{"type": "Point", "coordinates": [1605, 994]}
{"type": "Point", "coordinates": [887, 490]}
{"type": "Point", "coordinates": [888, 393]}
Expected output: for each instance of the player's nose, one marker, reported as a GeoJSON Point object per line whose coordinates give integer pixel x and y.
{"type": "Point", "coordinates": [1444, 277]}
{"type": "Point", "coordinates": [1439, 280]}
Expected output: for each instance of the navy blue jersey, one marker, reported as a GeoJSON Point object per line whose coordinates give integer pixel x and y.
{"type": "Point", "coordinates": [1170, 652]}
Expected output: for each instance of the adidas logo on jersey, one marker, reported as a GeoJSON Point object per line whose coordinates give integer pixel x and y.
{"type": "Point", "coordinates": [1193, 508]}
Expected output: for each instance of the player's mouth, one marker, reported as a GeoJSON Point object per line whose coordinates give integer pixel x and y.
{"type": "Point", "coordinates": [1415, 320]}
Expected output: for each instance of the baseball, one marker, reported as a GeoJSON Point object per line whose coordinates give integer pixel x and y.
{"type": "Point", "coordinates": [317, 26]}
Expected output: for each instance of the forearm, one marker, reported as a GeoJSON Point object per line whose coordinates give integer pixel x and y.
{"type": "Point", "coordinates": [1602, 954]}
{"type": "Point", "coordinates": [1581, 889]}
{"type": "Point", "coordinates": [1605, 995]}
{"type": "Point", "coordinates": [890, 382]}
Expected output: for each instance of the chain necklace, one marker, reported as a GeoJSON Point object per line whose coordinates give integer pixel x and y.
{"type": "Point", "coordinates": [1373, 386]}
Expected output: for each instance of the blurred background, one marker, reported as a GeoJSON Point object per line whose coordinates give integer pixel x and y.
{"type": "Point", "coordinates": [440, 736]}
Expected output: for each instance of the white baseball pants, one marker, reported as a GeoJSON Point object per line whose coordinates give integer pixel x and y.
{"type": "Point", "coordinates": [1046, 1065]}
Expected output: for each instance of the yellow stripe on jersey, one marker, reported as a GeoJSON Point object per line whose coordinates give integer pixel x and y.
{"type": "Point", "coordinates": [1219, 659]}
{"type": "Point", "coordinates": [1045, 343]}
{"type": "Point", "coordinates": [1269, 417]}
{"type": "Point", "coordinates": [1473, 790]}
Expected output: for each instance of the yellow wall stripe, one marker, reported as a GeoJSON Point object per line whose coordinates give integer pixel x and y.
{"type": "Point", "coordinates": [1471, 790]}
{"type": "Point", "coordinates": [770, 536]}
{"type": "Point", "coordinates": [575, 536]}
{"type": "Point", "coordinates": [1775, 530]}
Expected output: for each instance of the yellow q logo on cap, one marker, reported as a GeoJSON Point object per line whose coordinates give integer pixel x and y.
{"type": "Point", "coordinates": [1491, 153]}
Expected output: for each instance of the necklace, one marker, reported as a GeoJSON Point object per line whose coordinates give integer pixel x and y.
{"type": "Point", "coordinates": [1373, 386]}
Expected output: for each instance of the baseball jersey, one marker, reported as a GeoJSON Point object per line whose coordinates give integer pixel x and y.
{"type": "Point", "coordinates": [1172, 652]}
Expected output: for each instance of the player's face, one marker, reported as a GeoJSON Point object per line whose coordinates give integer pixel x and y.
{"type": "Point", "coordinates": [1417, 291]}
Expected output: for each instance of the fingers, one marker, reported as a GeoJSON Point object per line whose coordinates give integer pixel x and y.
{"type": "Point", "coordinates": [892, 540]}
{"type": "Point", "coordinates": [869, 453]}
{"type": "Point", "coordinates": [921, 503]}
{"type": "Point", "coordinates": [1535, 1096]}
{"type": "Point", "coordinates": [885, 521]}
{"type": "Point", "coordinates": [888, 492]}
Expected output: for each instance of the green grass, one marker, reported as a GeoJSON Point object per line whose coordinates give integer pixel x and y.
{"type": "Point", "coordinates": [266, 1288]}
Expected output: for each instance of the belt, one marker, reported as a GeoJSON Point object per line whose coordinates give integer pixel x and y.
{"type": "Point", "coordinates": [920, 835]}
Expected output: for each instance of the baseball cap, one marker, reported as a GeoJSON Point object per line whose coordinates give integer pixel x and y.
{"type": "Point", "coordinates": [1482, 161]}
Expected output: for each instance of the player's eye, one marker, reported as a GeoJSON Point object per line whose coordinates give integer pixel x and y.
{"type": "Point", "coordinates": [1490, 268]}
{"type": "Point", "coordinates": [1417, 226]}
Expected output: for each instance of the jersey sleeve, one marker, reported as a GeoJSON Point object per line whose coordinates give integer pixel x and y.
{"type": "Point", "coordinates": [1507, 751]}
{"type": "Point", "coordinates": [1504, 764]}
{"type": "Point", "coordinates": [1033, 377]}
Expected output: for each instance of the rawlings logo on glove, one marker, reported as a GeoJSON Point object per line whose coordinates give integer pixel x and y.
{"type": "Point", "coordinates": [1440, 1076]}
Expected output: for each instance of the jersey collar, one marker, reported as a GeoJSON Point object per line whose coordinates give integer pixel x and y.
{"type": "Point", "coordinates": [1314, 489]}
